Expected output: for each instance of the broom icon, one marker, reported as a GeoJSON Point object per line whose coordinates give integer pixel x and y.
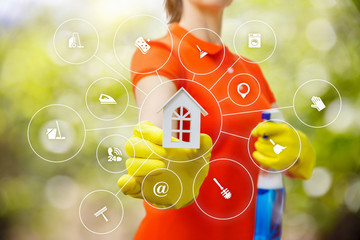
{"type": "Point", "coordinates": [202, 53]}
{"type": "Point", "coordinates": [224, 191]}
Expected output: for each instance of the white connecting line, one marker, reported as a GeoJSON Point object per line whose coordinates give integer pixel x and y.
{"type": "Point", "coordinates": [105, 128]}
{"type": "Point", "coordinates": [259, 110]}
{"type": "Point", "coordinates": [119, 74]}
{"type": "Point", "coordinates": [223, 99]}
{"type": "Point", "coordinates": [132, 106]}
{"type": "Point", "coordinates": [161, 81]}
{"type": "Point", "coordinates": [193, 77]}
{"type": "Point", "coordinates": [133, 175]}
{"type": "Point", "coordinates": [231, 134]}
{"type": "Point", "coordinates": [224, 73]}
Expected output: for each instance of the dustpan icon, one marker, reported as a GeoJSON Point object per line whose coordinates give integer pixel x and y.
{"type": "Point", "coordinates": [106, 99]}
{"type": "Point", "coordinates": [277, 147]}
{"type": "Point", "coordinates": [202, 53]}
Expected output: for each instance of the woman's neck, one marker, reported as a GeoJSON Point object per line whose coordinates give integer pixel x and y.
{"type": "Point", "coordinates": [197, 17]}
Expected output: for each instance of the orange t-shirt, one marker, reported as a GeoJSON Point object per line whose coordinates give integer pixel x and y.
{"type": "Point", "coordinates": [230, 119]}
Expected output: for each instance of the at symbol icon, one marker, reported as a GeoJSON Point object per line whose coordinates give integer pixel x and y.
{"type": "Point", "coordinates": [160, 189]}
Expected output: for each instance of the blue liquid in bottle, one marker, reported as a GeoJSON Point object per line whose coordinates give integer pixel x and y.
{"type": "Point", "coordinates": [269, 208]}
{"type": "Point", "coordinates": [270, 200]}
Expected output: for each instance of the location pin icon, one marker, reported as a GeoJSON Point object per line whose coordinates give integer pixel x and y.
{"type": "Point", "coordinates": [241, 87]}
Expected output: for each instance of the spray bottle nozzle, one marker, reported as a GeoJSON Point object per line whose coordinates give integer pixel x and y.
{"type": "Point", "coordinates": [266, 115]}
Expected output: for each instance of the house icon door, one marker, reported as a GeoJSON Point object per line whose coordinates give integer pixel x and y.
{"type": "Point", "coordinates": [179, 111]}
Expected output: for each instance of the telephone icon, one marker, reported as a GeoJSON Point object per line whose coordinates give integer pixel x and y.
{"type": "Point", "coordinates": [114, 154]}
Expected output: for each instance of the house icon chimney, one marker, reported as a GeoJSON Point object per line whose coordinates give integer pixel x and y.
{"type": "Point", "coordinates": [183, 109]}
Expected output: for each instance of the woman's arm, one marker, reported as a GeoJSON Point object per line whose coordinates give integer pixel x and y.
{"type": "Point", "coordinates": [146, 153]}
{"type": "Point", "coordinates": [151, 103]}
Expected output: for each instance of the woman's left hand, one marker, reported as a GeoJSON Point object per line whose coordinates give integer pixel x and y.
{"type": "Point", "coordinates": [278, 148]}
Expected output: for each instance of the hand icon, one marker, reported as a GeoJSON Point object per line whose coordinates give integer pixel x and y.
{"type": "Point", "coordinates": [318, 103]}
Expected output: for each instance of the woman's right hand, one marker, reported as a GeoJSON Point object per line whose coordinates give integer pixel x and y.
{"type": "Point", "coordinates": [148, 158]}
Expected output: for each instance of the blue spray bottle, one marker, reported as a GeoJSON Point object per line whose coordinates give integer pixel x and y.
{"type": "Point", "coordinates": [270, 197]}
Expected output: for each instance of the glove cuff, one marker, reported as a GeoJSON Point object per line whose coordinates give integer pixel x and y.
{"type": "Point", "coordinates": [304, 165]}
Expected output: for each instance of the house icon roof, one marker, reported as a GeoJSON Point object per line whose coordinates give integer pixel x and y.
{"type": "Point", "coordinates": [180, 94]}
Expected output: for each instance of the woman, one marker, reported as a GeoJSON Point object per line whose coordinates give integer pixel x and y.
{"type": "Point", "coordinates": [193, 27]}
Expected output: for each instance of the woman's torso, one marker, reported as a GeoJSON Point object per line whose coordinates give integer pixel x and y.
{"type": "Point", "coordinates": [232, 116]}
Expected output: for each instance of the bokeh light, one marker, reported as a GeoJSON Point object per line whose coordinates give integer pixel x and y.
{"type": "Point", "coordinates": [321, 35]}
{"type": "Point", "coordinates": [352, 196]}
{"type": "Point", "coordinates": [62, 192]}
{"type": "Point", "coordinates": [317, 39]}
{"type": "Point", "coordinates": [319, 184]}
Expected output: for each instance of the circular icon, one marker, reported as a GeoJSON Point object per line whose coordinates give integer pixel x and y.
{"type": "Point", "coordinates": [227, 191]}
{"type": "Point", "coordinates": [107, 99]}
{"type": "Point", "coordinates": [56, 133]}
{"type": "Point", "coordinates": [310, 102]}
{"type": "Point", "coordinates": [256, 40]}
{"type": "Point", "coordinates": [162, 187]}
{"type": "Point", "coordinates": [76, 41]}
{"type": "Point", "coordinates": [111, 155]}
{"type": "Point", "coordinates": [200, 96]}
{"type": "Point", "coordinates": [294, 145]}
{"type": "Point", "coordinates": [192, 56]}
{"type": "Point", "coordinates": [136, 33]}
{"type": "Point", "coordinates": [244, 89]}
{"type": "Point", "coordinates": [240, 88]}
{"type": "Point", "coordinates": [101, 212]}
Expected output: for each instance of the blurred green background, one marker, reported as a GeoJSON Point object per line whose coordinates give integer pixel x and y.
{"type": "Point", "coordinates": [39, 200]}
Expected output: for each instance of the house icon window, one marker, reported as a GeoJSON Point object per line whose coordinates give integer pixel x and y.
{"type": "Point", "coordinates": [181, 118]}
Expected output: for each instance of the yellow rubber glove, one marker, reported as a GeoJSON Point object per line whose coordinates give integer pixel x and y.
{"type": "Point", "coordinates": [285, 136]}
{"type": "Point", "coordinates": [141, 148]}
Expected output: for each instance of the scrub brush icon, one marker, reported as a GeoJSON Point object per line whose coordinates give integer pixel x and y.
{"type": "Point", "coordinates": [224, 191]}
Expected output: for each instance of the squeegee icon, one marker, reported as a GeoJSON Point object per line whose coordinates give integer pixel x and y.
{"type": "Point", "coordinates": [101, 212]}
{"type": "Point", "coordinates": [106, 99]}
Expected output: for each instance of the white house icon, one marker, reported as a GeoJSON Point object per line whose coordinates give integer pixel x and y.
{"type": "Point", "coordinates": [181, 110]}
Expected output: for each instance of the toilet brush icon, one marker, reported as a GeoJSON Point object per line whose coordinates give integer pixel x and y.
{"type": "Point", "coordinates": [224, 191]}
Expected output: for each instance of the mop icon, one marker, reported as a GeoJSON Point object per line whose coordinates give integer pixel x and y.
{"type": "Point", "coordinates": [101, 212]}
{"type": "Point", "coordinates": [224, 191]}
{"type": "Point", "coordinates": [51, 133]}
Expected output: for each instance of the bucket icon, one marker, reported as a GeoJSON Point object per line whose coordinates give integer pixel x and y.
{"type": "Point", "coordinates": [51, 132]}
